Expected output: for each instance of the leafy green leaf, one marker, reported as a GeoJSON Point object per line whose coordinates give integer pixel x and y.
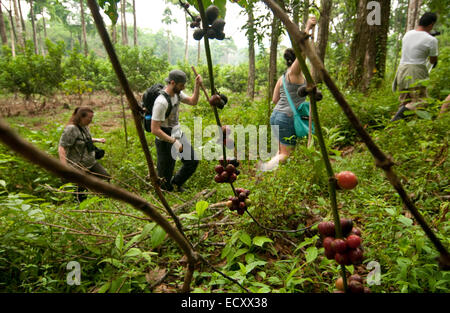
{"type": "Point", "coordinates": [158, 236]}
{"type": "Point", "coordinates": [249, 258]}
{"type": "Point", "coordinates": [242, 268]}
{"type": "Point", "coordinates": [112, 261]}
{"type": "Point", "coordinates": [260, 240]}
{"type": "Point", "coordinates": [132, 241]}
{"type": "Point", "coordinates": [423, 114]}
{"type": "Point", "coordinates": [252, 265]}
{"type": "Point", "coordinates": [262, 274]}
{"type": "Point", "coordinates": [133, 252]}
{"type": "Point", "coordinates": [311, 254]}
{"type": "Point", "coordinates": [200, 208]}
{"type": "Point", "coordinates": [390, 211]}
{"type": "Point", "coordinates": [147, 228]}
{"type": "Point", "coordinates": [245, 238]}
{"type": "Point", "coordinates": [104, 288]}
{"type": "Point", "coordinates": [119, 241]}
{"type": "Point", "coordinates": [225, 251]}
{"type": "Point", "coordinates": [110, 9]}
{"type": "Point", "coordinates": [240, 252]}
{"type": "Point", "coordinates": [404, 220]}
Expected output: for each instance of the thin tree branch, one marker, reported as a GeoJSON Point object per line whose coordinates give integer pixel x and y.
{"type": "Point", "coordinates": [134, 106]}
{"type": "Point", "coordinates": [381, 160]}
{"type": "Point", "coordinates": [36, 156]}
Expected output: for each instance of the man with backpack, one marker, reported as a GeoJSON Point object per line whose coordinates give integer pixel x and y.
{"type": "Point", "coordinates": [170, 141]}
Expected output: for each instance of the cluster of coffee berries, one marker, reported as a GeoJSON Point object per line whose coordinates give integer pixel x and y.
{"type": "Point", "coordinates": [241, 202]}
{"type": "Point", "coordinates": [218, 100]}
{"type": "Point", "coordinates": [345, 251]}
{"type": "Point", "coordinates": [225, 139]}
{"type": "Point", "coordinates": [196, 22]}
{"type": "Point", "coordinates": [354, 284]}
{"type": "Point", "coordinates": [227, 172]}
{"type": "Point", "coordinates": [302, 92]}
{"type": "Point", "coordinates": [215, 25]}
{"type": "Point", "coordinates": [346, 180]}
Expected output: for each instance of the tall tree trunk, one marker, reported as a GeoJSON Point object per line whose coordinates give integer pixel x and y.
{"type": "Point", "coordinates": [134, 24]}
{"type": "Point", "coordinates": [322, 35]}
{"type": "Point", "coordinates": [19, 31]}
{"type": "Point", "coordinates": [186, 46]}
{"type": "Point", "coordinates": [124, 119]}
{"type": "Point", "coordinates": [3, 28]}
{"type": "Point", "coordinates": [124, 23]}
{"type": "Point", "coordinates": [33, 26]}
{"type": "Point", "coordinates": [375, 61]}
{"type": "Point", "coordinates": [22, 21]}
{"type": "Point", "coordinates": [358, 46]}
{"type": "Point", "coordinates": [413, 14]}
{"type": "Point", "coordinates": [199, 50]}
{"type": "Point", "coordinates": [44, 26]}
{"type": "Point", "coordinates": [275, 34]}
{"type": "Point", "coordinates": [251, 54]}
{"type": "Point", "coordinates": [274, 38]}
{"type": "Point", "coordinates": [40, 42]}
{"type": "Point", "coordinates": [368, 49]}
{"type": "Point", "coordinates": [122, 32]}
{"type": "Point", "coordinates": [12, 32]}
{"type": "Point", "coordinates": [83, 28]}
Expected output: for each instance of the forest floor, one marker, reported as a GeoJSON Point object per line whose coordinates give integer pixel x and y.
{"type": "Point", "coordinates": [293, 197]}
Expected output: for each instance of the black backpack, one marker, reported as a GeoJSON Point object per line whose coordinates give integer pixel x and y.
{"type": "Point", "coordinates": [148, 100]}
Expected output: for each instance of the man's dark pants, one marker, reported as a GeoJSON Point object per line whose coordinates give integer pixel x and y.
{"type": "Point", "coordinates": [166, 163]}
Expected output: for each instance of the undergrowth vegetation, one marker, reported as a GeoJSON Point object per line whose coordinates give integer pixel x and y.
{"type": "Point", "coordinates": [42, 229]}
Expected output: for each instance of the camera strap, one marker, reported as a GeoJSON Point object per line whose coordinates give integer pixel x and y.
{"type": "Point", "coordinates": [86, 140]}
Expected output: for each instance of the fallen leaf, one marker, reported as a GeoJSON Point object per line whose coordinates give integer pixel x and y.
{"type": "Point", "coordinates": [155, 275]}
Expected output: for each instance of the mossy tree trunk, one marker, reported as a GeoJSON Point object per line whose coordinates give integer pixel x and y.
{"type": "Point", "coordinates": [83, 28]}
{"type": "Point", "coordinates": [3, 28]}
{"type": "Point", "coordinates": [322, 35]}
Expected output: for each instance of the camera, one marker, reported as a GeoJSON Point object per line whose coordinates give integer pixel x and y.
{"type": "Point", "coordinates": [435, 33]}
{"type": "Point", "coordinates": [90, 146]}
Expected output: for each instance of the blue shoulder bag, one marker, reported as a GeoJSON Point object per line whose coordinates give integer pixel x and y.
{"type": "Point", "coordinates": [301, 114]}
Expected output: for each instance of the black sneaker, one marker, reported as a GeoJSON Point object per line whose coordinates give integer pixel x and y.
{"type": "Point", "coordinates": [166, 187]}
{"type": "Point", "coordinates": [80, 194]}
{"type": "Point", "coordinates": [400, 113]}
{"type": "Point", "coordinates": [179, 189]}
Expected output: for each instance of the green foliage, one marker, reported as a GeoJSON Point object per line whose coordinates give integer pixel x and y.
{"type": "Point", "coordinates": [110, 9]}
{"type": "Point", "coordinates": [88, 71]}
{"type": "Point", "coordinates": [76, 74]}
{"type": "Point", "coordinates": [141, 67]}
{"type": "Point", "coordinates": [438, 83]}
{"type": "Point", "coordinates": [32, 74]}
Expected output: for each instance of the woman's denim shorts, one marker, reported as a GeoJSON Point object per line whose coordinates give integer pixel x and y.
{"type": "Point", "coordinates": [286, 130]}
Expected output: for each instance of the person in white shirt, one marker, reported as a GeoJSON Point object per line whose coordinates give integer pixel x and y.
{"type": "Point", "coordinates": [168, 133]}
{"type": "Point", "coordinates": [418, 48]}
